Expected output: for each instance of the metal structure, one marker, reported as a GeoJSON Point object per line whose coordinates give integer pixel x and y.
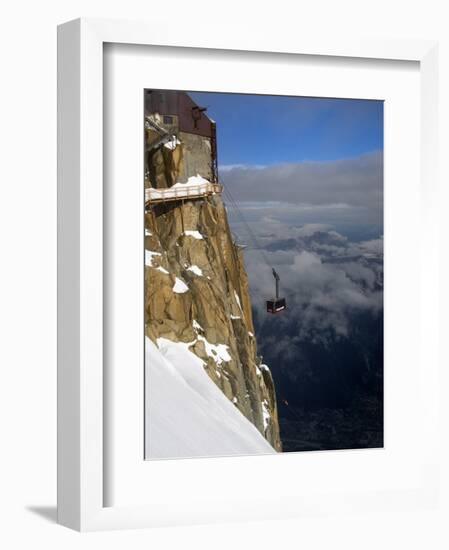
{"type": "Point", "coordinates": [181, 192]}
{"type": "Point", "coordinates": [170, 113]}
{"type": "Point", "coordinates": [277, 304]}
{"type": "Point", "coordinates": [190, 117]}
{"type": "Point", "coordinates": [214, 154]}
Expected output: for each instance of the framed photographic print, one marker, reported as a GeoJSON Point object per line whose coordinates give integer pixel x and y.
{"type": "Point", "coordinates": [232, 274]}
{"type": "Point", "coordinates": [251, 264]}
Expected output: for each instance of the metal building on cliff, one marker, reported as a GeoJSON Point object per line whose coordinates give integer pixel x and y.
{"type": "Point", "coordinates": [172, 118]}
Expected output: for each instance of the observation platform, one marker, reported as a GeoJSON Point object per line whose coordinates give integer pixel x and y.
{"type": "Point", "coordinates": [182, 191]}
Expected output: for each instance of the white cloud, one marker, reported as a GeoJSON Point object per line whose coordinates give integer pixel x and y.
{"type": "Point", "coordinates": [348, 190]}
{"type": "Point", "coordinates": [325, 278]}
{"type": "Point", "coordinates": [229, 167]}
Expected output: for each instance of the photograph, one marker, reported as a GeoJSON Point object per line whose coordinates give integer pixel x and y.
{"type": "Point", "coordinates": [263, 259]}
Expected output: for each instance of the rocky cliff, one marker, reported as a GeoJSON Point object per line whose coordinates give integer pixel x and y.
{"type": "Point", "coordinates": [196, 290]}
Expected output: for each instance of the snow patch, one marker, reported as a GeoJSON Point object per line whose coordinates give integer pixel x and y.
{"type": "Point", "coordinates": [149, 254]}
{"type": "Point", "coordinates": [218, 352]}
{"type": "Point", "coordinates": [196, 325]}
{"type": "Point", "coordinates": [237, 299]}
{"type": "Point", "coordinates": [187, 415]}
{"type": "Point", "coordinates": [265, 414]}
{"type": "Point", "coordinates": [148, 232]}
{"type": "Point", "coordinates": [180, 287]}
{"type": "Point", "coordinates": [193, 181]}
{"type": "Point", "coordinates": [236, 317]}
{"type": "Point", "coordinates": [195, 234]}
{"type": "Point", "coordinates": [173, 143]}
{"type": "Point", "coordinates": [175, 350]}
{"type": "Point", "coordinates": [195, 269]}
{"type": "Point", "coordinates": [162, 270]}
{"type": "Point", "coordinates": [251, 334]}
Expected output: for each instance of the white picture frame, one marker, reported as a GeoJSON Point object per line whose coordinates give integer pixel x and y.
{"type": "Point", "coordinates": [82, 490]}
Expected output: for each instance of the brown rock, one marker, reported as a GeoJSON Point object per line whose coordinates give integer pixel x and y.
{"type": "Point", "coordinates": [221, 291]}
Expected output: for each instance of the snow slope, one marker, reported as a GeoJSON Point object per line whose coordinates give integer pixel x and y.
{"type": "Point", "coordinates": [187, 415]}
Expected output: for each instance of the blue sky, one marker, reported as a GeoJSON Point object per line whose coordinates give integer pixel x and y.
{"type": "Point", "coordinates": [298, 160]}
{"type": "Point", "coordinates": [268, 130]}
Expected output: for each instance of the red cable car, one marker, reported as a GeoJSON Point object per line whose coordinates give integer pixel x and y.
{"type": "Point", "coordinates": [276, 305]}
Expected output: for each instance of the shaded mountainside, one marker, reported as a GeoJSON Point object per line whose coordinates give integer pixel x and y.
{"type": "Point", "coordinates": [196, 291]}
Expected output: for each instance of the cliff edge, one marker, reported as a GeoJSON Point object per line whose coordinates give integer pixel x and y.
{"type": "Point", "coordinates": [196, 286]}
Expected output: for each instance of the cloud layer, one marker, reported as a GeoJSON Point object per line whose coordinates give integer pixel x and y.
{"type": "Point", "coordinates": [321, 226]}
{"type": "Point", "coordinates": [344, 192]}
{"type": "Point", "coordinates": [326, 279]}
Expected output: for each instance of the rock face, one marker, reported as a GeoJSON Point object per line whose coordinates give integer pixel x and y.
{"type": "Point", "coordinates": [196, 286]}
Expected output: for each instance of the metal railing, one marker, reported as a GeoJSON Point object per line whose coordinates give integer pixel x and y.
{"type": "Point", "coordinates": [181, 191]}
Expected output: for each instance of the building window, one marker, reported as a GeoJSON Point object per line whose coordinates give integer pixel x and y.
{"type": "Point", "coordinates": [167, 119]}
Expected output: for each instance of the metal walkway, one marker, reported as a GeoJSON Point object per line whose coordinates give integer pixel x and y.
{"type": "Point", "coordinates": [182, 191]}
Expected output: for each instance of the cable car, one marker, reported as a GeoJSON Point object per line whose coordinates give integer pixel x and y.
{"type": "Point", "coordinates": [277, 304]}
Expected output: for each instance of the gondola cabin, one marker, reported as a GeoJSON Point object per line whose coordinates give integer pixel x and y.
{"type": "Point", "coordinates": [276, 305]}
